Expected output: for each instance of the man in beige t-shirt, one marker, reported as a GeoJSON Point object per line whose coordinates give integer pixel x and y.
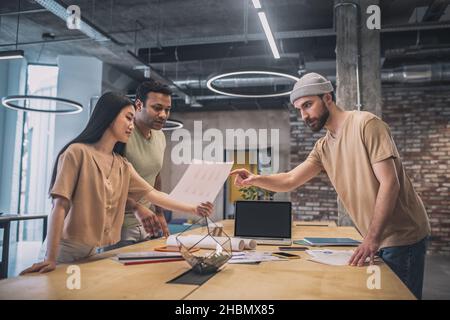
{"type": "Point", "coordinates": [362, 162]}
{"type": "Point", "coordinates": [145, 151]}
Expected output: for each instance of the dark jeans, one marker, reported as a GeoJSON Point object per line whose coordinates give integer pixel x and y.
{"type": "Point", "coordinates": [408, 263]}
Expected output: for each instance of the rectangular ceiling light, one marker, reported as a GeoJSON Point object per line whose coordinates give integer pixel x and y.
{"type": "Point", "coordinates": [256, 4]}
{"type": "Point", "coordinates": [269, 35]}
{"type": "Point", "coordinates": [15, 54]}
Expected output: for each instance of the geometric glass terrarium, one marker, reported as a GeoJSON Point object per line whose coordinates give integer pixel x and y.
{"type": "Point", "coordinates": [209, 260]}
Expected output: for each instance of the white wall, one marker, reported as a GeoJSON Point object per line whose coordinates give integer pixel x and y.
{"type": "Point", "coordinates": [222, 120]}
{"type": "Point", "coordinates": [79, 79]}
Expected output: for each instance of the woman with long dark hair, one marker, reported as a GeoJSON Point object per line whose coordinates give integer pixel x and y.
{"type": "Point", "coordinates": [91, 183]}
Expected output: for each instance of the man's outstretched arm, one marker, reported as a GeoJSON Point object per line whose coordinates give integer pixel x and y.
{"type": "Point", "coordinates": [280, 182]}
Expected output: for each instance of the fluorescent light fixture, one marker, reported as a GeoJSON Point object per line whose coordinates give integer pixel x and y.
{"type": "Point", "coordinates": [269, 35]}
{"type": "Point", "coordinates": [256, 4]}
{"type": "Point", "coordinates": [15, 54]}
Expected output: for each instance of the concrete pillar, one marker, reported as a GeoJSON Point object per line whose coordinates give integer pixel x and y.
{"type": "Point", "coordinates": [358, 78]}
{"type": "Point", "coordinates": [346, 24]}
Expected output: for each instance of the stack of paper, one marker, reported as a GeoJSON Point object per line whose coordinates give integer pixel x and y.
{"type": "Point", "coordinates": [132, 258]}
{"type": "Point", "coordinates": [252, 257]}
{"type": "Point", "coordinates": [331, 257]}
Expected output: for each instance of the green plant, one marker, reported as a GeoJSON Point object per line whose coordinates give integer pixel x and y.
{"type": "Point", "coordinates": [256, 193]}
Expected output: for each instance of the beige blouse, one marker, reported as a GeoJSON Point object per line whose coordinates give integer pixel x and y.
{"type": "Point", "coordinates": [97, 203]}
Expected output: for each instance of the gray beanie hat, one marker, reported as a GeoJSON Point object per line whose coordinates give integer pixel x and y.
{"type": "Point", "coordinates": [311, 84]}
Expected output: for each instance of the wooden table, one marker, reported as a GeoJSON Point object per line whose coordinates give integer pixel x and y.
{"type": "Point", "coordinates": [301, 279]}
{"type": "Point", "coordinates": [5, 224]}
{"type": "Point", "coordinates": [103, 278]}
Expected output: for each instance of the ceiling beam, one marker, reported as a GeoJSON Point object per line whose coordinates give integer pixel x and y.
{"type": "Point", "coordinates": [242, 38]}
{"type": "Point", "coordinates": [311, 33]}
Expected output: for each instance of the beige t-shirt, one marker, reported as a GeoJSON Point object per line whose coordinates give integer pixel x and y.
{"type": "Point", "coordinates": [97, 203]}
{"type": "Point", "coordinates": [347, 159]}
{"type": "Point", "coordinates": [146, 156]}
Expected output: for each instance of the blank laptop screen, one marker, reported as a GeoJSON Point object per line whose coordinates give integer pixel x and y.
{"type": "Point", "coordinates": [263, 219]}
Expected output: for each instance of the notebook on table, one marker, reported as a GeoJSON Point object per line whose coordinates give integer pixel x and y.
{"type": "Point", "coordinates": [148, 255]}
{"type": "Point", "coordinates": [325, 242]}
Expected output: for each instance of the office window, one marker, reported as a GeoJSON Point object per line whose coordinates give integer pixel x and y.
{"type": "Point", "coordinates": [37, 150]}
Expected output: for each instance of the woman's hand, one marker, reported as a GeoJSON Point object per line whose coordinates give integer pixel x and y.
{"type": "Point", "coordinates": [41, 267]}
{"type": "Point", "coordinates": [148, 219]}
{"type": "Point", "coordinates": [204, 209]}
{"type": "Point", "coordinates": [163, 222]}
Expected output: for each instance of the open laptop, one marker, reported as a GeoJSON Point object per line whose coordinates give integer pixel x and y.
{"type": "Point", "coordinates": [267, 222]}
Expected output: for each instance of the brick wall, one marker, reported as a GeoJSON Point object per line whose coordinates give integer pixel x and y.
{"type": "Point", "coordinates": [419, 119]}
{"type": "Point", "coordinates": [420, 124]}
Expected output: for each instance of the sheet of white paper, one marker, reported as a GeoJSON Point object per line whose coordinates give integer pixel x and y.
{"type": "Point", "coordinates": [201, 182]}
{"type": "Point", "coordinates": [331, 257]}
{"type": "Point", "coordinates": [253, 256]}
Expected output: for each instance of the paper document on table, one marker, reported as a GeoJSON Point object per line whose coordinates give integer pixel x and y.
{"type": "Point", "coordinates": [331, 257]}
{"type": "Point", "coordinates": [253, 256]}
{"type": "Point", "coordinates": [201, 182]}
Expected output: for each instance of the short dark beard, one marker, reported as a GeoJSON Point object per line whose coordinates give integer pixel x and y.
{"type": "Point", "coordinates": [322, 120]}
